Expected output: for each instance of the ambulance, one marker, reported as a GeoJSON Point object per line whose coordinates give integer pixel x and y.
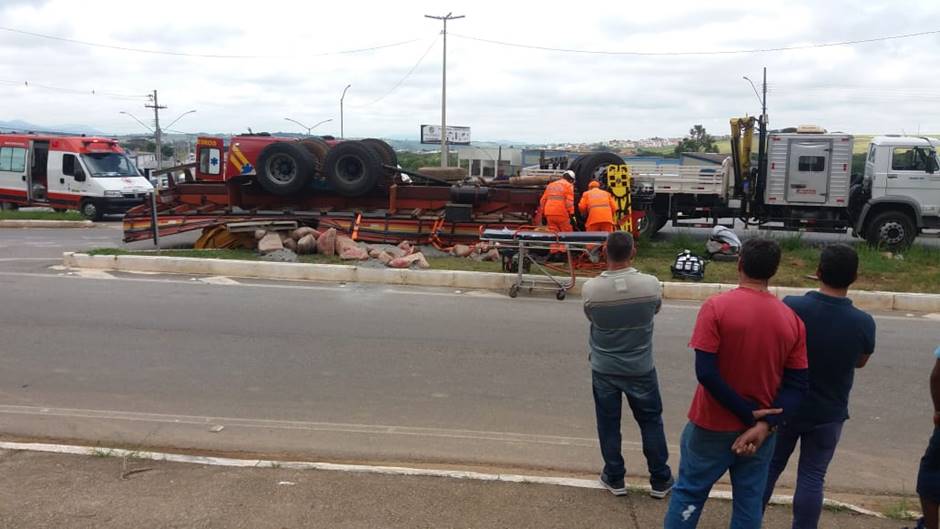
{"type": "Point", "coordinates": [88, 174]}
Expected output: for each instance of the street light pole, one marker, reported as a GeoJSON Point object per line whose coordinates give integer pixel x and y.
{"type": "Point", "coordinates": [309, 128]}
{"type": "Point", "coordinates": [157, 133]}
{"type": "Point", "coordinates": [342, 133]}
{"type": "Point", "coordinates": [762, 130]}
{"type": "Point", "coordinates": [179, 118]}
{"type": "Point", "coordinates": [444, 150]}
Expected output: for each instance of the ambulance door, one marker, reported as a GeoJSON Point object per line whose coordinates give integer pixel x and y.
{"type": "Point", "coordinates": [13, 177]}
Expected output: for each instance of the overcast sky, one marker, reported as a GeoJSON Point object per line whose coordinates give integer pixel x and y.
{"type": "Point", "coordinates": [501, 92]}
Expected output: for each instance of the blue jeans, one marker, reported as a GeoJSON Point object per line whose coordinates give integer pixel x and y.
{"type": "Point", "coordinates": [817, 446]}
{"type": "Point", "coordinates": [705, 457]}
{"type": "Point", "coordinates": [643, 397]}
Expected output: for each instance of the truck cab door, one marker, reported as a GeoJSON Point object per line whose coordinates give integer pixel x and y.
{"type": "Point", "coordinates": [808, 172]}
{"type": "Point", "coordinates": [38, 173]}
{"type": "Point", "coordinates": [913, 173]}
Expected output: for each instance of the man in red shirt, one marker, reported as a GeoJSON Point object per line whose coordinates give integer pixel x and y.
{"type": "Point", "coordinates": [750, 361]}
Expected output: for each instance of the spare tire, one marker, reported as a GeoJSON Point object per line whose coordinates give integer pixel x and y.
{"type": "Point", "coordinates": [284, 168]}
{"type": "Point", "coordinates": [352, 168]}
{"type": "Point", "coordinates": [318, 148]}
{"type": "Point", "coordinates": [594, 167]}
{"type": "Point", "coordinates": [386, 154]}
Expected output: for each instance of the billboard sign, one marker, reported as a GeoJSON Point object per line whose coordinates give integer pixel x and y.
{"type": "Point", "coordinates": [455, 135]}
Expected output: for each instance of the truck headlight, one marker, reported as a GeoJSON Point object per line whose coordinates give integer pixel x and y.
{"type": "Point", "coordinates": [113, 194]}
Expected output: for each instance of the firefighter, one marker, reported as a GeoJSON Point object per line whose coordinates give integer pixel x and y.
{"type": "Point", "coordinates": [598, 208]}
{"type": "Point", "coordinates": [557, 203]}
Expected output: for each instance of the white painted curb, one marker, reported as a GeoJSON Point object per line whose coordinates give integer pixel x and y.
{"type": "Point", "coordinates": [25, 223]}
{"type": "Point", "coordinates": [868, 300]}
{"type": "Point", "coordinates": [368, 469]}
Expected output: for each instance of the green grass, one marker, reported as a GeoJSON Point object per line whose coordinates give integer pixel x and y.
{"type": "Point", "coordinates": [901, 510]}
{"type": "Point", "coordinates": [39, 215]}
{"type": "Point", "coordinates": [916, 270]}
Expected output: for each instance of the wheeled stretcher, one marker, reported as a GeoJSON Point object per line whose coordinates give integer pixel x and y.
{"type": "Point", "coordinates": [520, 247]}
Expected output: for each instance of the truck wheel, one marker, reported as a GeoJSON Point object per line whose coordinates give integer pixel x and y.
{"type": "Point", "coordinates": [285, 168]}
{"type": "Point", "coordinates": [651, 222]}
{"type": "Point", "coordinates": [318, 149]}
{"type": "Point", "coordinates": [385, 152]}
{"type": "Point", "coordinates": [891, 231]}
{"type": "Point", "coordinates": [594, 167]}
{"type": "Point", "coordinates": [352, 168]}
{"type": "Point", "coordinates": [90, 210]}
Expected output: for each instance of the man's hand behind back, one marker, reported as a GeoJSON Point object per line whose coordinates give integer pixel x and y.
{"type": "Point", "coordinates": [751, 440]}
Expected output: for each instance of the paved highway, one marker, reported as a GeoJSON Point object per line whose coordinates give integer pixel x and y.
{"type": "Point", "coordinates": [367, 373]}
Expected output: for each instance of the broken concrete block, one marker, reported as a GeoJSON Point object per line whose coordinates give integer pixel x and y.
{"type": "Point", "coordinates": [280, 256]}
{"type": "Point", "coordinates": [384, 257]}
{"type": "Point", "coordinates": [302, 232]}
{"type": "Point", "coordinates": [271, 242]}
{"type": "Point", "coordinates": [353, 253]}
{"type": "Point", "coordinates": [409, 260]}
{"type": "Point", "coordinates": [406, 247]}
{"type": "Point", "coordinates": [259, 234]}
{"type": "Point", "coordinates": [461, 250]}
{"type": "Point", "coordinates": [326, 242]}
{"type": "Point", "coordinates": [492, 255]}
{"type": "Point", "coordinates": [290, 244]}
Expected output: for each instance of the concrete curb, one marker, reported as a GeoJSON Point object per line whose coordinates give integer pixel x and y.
{"type": "Point", "coordinates": [25, 223]}
{"type": "Point", "coordinates": [868, 300]}
{"type": "Point", "coordinates": [369, 469]}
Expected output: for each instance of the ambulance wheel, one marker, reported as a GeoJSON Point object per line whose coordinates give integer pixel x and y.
{"type": "Point", "coordinates": [90, 210]}
{"type": "Point", "coordinates": [514, 291]}
{"type": "Point", "coordinates": [560, 295]}
{"type": "Point", "coordinates": [285, 168]}
{"type": "Point", "coordinates": [352, 168]}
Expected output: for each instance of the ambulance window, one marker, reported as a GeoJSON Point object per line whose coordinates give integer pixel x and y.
{"type": "Point", "coordinates": [12, 159]}
{"type": "Point", "coordinates": [812, 164]}
{"type": "Point", "coordinates": [68, 164]}
{"type": "Point", "coordinates": [210, 161]}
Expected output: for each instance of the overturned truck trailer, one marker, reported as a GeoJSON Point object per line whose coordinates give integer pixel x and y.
{"type": "Point", "coordinates": [354, 186]}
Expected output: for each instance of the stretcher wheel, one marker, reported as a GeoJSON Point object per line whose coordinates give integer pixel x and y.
{"type": "Point", "coordinates": [560, 295]}
{"type": "Point", "coordinates": [514, 291]}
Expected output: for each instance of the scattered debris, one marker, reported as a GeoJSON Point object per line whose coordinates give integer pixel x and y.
{"type": "Point", "coordinates": [480, 251]}
{"type": "Point", "coordinates": [287, 483]}
{"type": "Point", "coordinates": [271, 242]}
{"type": "Point", "coordinates": [326, 243]}
{"type": "Point", "coordinates": [216, 428]}
{"type": "Point", "coordinates": [280, 256]}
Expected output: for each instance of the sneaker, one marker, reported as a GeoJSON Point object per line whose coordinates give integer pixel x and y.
{"type": "Point", "coordinates": [617, 488]}
{"type": "Point", "coordinates": [661, 490]}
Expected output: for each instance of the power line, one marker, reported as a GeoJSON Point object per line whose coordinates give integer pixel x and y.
{"type": "Point", "coordinates": [404, 78]}
{"type": "Point", "coordinates": [88, 92]}
{"type": "Point", "coordinates": [699, 53]}
{"type": "Point", "coordinates": [198, 55]}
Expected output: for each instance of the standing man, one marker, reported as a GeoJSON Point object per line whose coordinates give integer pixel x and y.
{"type": "Point", "coordinates": [839, 339]}
{"type": "Point", "coordinates": [620, 304]}
{"type": "Point", "coordinates": [928, 477]}
{"type": "Point", "coordinates": [750, 361]}
{"type": "Point", "coordinates": [598, 207]}
{"type": "Point", "coordinates": [557, 203]}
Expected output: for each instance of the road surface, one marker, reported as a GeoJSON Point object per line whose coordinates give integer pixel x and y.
{"type": "Point", "coordinates": [368, 373]}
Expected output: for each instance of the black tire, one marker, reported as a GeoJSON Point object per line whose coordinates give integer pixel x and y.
{"type": "Point", "coordinates": [385, 152]}
{"type": "Point", "coordinates": [318, 149]}
{"type": "Point", "coordinates": [651, 223]}
{"type": "Point", "coordinates": [560, 295]}
{"type": "Point", "coordinates": [352, 168]}
{"type": "Point", "coordinates": [514, 291]}
{"type": "Point", "coordinates": [91, 211]}
{"type": "Point", "coordinates": [594, 167]}
{"type": "Point", "coordinates": [285, 168]}
{"type": "Point", "coordinates": [891, 231]}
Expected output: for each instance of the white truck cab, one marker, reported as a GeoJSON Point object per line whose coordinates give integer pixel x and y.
{"type": "Point", "coordinates": [92, 175]}
{"type": "Point", "coordinates": [902, 179]}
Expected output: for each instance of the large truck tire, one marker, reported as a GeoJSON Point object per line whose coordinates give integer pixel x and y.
{"type": "Point", "coordinates": [386, 154]}
{"type": "Point", "coordinates": [891, 231]}
{"type": "Point", "coordinates": [651, 223]}
{"type": "Point", "coordinates": [352, 168]}
{"type": "Point", "coordinates": [285, 168]}
{"type": "Point", "coordinates": [594, 167]}
{"type": "Point", "coordinates": [318, 149]}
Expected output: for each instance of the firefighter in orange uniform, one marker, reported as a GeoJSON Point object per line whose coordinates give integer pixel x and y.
{"type": "Point", "coordinates": [598, 207]}
{"type": "Point", "coordinates": [557, 203]}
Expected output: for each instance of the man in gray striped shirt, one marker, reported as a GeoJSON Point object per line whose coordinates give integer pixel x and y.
{"type": "Point", "coordinates": [620, 304]}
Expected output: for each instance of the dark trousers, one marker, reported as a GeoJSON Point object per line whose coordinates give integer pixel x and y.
{"type": "Point", "coordinates": [928, 477]}
{"type": "Point", "coordinates": [644, 399]}
{"type": "Point", "coordinates": [817, 446]}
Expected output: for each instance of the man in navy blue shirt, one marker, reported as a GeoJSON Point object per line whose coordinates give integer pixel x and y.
{"type": "Point", "coordinates": [839, 339]}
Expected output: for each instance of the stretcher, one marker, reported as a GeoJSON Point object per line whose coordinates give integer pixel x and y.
{"type": "Point", "coordinates": [519, 249]}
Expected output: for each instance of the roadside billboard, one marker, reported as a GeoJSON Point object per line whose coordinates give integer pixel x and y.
{"type": "Point", "coordinates": [455, 135]}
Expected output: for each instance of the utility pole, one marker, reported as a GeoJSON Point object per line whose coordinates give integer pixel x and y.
{"type": "Point", "coordinates": [444, 151]}
{"type": "Point", "coordinates": [762, 136]}
{"type": "Point", "coordinates": [341, 98]}
{"type": "Point", "coordinates": [157, 133]}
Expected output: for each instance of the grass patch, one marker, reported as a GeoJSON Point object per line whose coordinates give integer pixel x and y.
{"type": "Point", "coordinates": [7, 214]}
{"type": "Point", "coordinates": [902, 510]}
{"type": "Point", "coordinates": [916, 270]}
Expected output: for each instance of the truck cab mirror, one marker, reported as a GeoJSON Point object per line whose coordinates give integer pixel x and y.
{"type": "Point", "coordinates": [79, 174]}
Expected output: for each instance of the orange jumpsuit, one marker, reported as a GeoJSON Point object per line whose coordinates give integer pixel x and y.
{"type": "Point", "coordinates": [599, 208]}
{"type": "Point", "coordinates": [557, 205]}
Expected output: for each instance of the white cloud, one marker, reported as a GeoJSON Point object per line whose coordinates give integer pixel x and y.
{"type": "Point", "coordinates": [502, 92]}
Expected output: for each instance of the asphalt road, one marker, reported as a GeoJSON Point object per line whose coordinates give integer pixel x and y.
{"type": "Point", "coordinates": [367, 373]}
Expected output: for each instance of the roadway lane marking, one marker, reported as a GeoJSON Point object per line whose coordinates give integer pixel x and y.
{"type": "Point", "coordinates": [367, 429]}
{"type": "Point", "coordinates": [371, 469]}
